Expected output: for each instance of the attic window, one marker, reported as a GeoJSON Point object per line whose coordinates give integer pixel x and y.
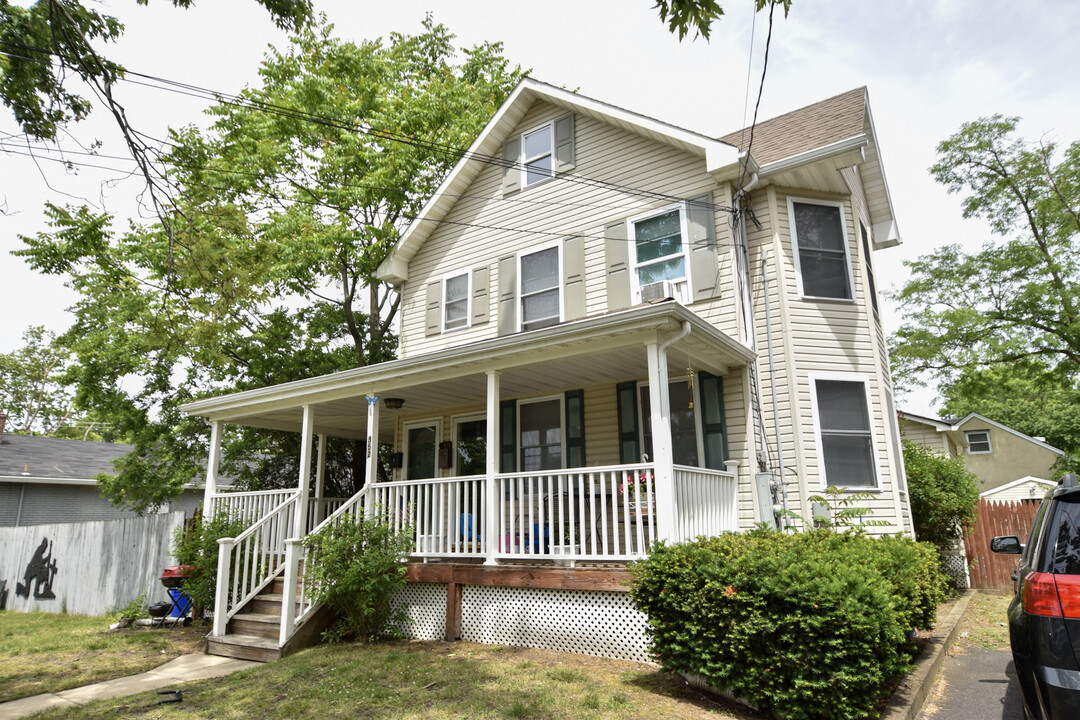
{"type": "Point", "coordinates": [537, 158]}
{"type": "Point", "coordinates": [820, 244]}
{"type": "Point", "coordinates": [978, 442]}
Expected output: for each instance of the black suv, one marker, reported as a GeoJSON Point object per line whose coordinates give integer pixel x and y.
{"type": "Point", "coordinates": [1044, 615]}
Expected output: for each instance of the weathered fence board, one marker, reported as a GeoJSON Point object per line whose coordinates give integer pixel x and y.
{"type": "Point", "coordinates": [1012, 517]}
{"type": "Point", "coordinates": [87, 568]}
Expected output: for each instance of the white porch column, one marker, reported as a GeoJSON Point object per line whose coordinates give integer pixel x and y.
{"type": "Point", "coordinates": [320, 481]}
{"type": "Point", "coordinates": [308, 429]}
{"type": "Point", "coordinates": [660, 418]}
{"type": "Point", "coordinates": [212, 463]}
{"type": "Point", "coordinates": [491, 495]}
{"type": "Point", "coordinates": [371, 466]}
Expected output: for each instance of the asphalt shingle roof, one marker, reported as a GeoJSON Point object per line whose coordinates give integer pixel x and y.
{"type": "Point", "coordinates": [56, 457]}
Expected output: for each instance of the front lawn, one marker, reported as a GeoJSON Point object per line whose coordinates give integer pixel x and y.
{"type": "Point", "coordinates": [429, 680]}
{"type": "Point", "coordinates": [985, 624]}
{"type": "Point", "coordinates": [45, 652]}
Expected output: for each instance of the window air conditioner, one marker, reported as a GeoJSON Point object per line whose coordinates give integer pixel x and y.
{"type": "Point", "coordinates": [658, 291]}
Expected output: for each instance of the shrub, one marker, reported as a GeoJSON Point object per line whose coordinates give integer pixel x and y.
{"type": "Point", "coordinates": [809, 625]}
{"type": "Point", "coordinates": [354, 567]}
{"type": "Point", "coordinates": [197, 546]}
{"type": "Point", "coordinates": [944, 495]}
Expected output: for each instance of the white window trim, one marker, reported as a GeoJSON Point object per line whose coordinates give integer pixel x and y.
{"type": "Point", "coordinates": [989, 444]}
{"type": "Point", "coordinates": [562, 426]}
{"type": "Point", "coordinates": [519, 298]}
{"type": "Point", "coordinates": [405, 427]}
{"type": "Point", "coordinates": [874, 430]}
{"type": "Point", "coordinates": [795, 247]}
{"type": "Point", "coordinates": [697, 416]}
{"type": "Point", "coordinates": [524, 160]}
{"type": "Point", "coordinates": [684, 246]}
{"type": "Point", "coordinates": [468, 301]}
{"type": "Point", "coordinates": [455, 421]}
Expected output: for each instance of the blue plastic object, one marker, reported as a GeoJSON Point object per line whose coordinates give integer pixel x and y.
{"type": "Point", "coordinates": [181, 602]}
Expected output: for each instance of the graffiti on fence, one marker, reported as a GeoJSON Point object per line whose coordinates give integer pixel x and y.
{"type": "Point", "coordinates": [40, 572]}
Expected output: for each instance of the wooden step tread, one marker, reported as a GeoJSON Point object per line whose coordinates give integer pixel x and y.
{"type": "Point", "coordinates": [258, 617]}
{"type": "Point", "coordinates": [246, 641]}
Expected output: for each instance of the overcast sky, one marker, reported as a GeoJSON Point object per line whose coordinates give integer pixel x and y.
{"type": "Point", "coordinates": [929, 67]}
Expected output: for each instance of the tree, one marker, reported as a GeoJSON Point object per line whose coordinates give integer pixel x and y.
{"type": "Point", "coordinates": [699, 15]}
{"type": "Point", "coordinates": [32, 393]}
{"type": "Point", "coordinates": [288, 204]}
{"type": "Point", "coordinates": [1015, 300]}
{"type": "Point", "coordinates": [943, 494]}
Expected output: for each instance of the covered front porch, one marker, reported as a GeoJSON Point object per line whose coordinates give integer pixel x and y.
{"type": "Point", "coordinates": [583, 442]}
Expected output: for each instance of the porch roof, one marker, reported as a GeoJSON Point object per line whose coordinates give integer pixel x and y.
{"type": "Point", "coordinates": [593, 351]}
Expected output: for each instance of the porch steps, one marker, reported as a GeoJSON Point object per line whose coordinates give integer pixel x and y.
{"type": "Point", "coordinates": [252, 633]}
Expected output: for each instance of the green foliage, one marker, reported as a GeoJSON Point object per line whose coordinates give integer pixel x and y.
{"type": "Point", "coordinates": [944, 495]}
{"type": "Point", "coordinates": [682, 16]}
{"type": "Point", "coordinates": [840, 509]}
{"type": "Point", "coordinates": [266, 272]}
{"type": "Point", "coordinates": [197, 546]}
{"type": "Point", "coordinates": [135, 609]}
{"type": "Point", "coordinates": [355, 568]}
{"type": "Point", "coordinates": [1016, 299]}
{"type": "Point", "coordinates": [32, 393]}
{"type": "Point", "coordinates": [808, 625]}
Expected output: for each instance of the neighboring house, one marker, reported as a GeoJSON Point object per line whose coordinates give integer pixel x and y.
{"type": "Point", "coordinates": [1025, 488]}
{"type": "Point", "coordinates": [1005, 461]}
{"type": "Point", "coordinates": [47, 480]}
{"type": "Point", "coordinates": [607, 325]}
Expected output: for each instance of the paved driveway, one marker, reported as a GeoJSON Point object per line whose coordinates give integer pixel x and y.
{"type": "Point", "coordinates": [975, 684]}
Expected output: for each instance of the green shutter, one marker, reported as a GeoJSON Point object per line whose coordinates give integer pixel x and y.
{"type": "Point", "coordinates": [617, 256]}
{"type": "Point", "coordinates": [713, 422]}
{"type": "Point", "coordinates": [629, 444]}
{"type": "Point", "coordinates": [481, 306]}
{"type": "Point", "coordinates": [511, 180]}
{"type": "Point", "coordinates": [433, 314]}
{"type": "Point", "coordinates": [507, 295]}
{"type": "Point", "coordinates": [574, 278]}
{"type": "Point", "coordinates": [564, 143]}
{"type": "Point", "coordinates": [508, 436]}
{"type": "Point", "coordinates": [575, 428]}
{"type": "Point", "coordinates": [704, 264]}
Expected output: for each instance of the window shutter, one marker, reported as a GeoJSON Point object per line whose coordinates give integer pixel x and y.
{"type": "Point", "coordinates": [564, 144]}
{"type": "Point", "coordinates": [574, 278]}
{"type": "Point", "coordinates": [511, 171]}
{"type": "Point", "coordinates": [433, 319]}
{"type": "Point", "coordinates": [629, 444]}
{"type": "Point", "coordinates": [704, 267]}
{"type": "Point", "coordinates": [507, 295]}
{"type": "Point", "coordinates": [617, 256]}
{"type": "Point", "coordinates": [575, 428]}
{"type": "Point", "coordinates": [481, 307]}
{"type": "Point", "coordinates": [508, 436]}
{"type": "Point", "coordinates": [713, 421]}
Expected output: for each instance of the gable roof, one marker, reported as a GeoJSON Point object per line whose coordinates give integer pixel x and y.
{"type": "Point", "coordinates": [1019, 481]}
{"type": "Point", "coordinates": [940, 425]}
{"type": "Point", "coordinates": [56, 458]}
{"type": "Point", "coordinates": [719, 157]}
{"type": "Point", "coordinates": [982, 418]}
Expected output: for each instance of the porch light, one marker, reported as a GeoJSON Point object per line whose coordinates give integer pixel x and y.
{"type": "Point", "coordinates": [393, 403]}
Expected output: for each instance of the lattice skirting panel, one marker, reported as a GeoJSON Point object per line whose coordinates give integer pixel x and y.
{"type": "Point", "coordinates": [425, 606]}
{"type": "Point", "coordinates": [605, 624]}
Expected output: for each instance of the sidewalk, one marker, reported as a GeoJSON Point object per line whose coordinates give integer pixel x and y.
{"type": "Point", "coordinates": [182, 669]}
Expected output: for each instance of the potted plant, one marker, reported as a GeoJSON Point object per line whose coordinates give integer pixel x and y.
{"type": "Point", "coordinates": [570, 547]}
{"type": "Point", "coordinates": [636, 487]}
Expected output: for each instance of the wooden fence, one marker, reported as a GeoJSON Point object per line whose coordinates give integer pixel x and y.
{"type": "Point", "coordinates": [989, 570]}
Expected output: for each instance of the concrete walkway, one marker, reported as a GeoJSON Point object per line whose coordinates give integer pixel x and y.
{"type": "Point", "coordinates": [183, 669]}
{"type": "Point", "coordinates": [976, 684]}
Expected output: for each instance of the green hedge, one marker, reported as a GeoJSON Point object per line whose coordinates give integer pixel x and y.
{"type": "Point", "coordinates": [808, 625]}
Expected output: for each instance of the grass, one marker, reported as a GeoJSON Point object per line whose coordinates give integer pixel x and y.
{"type": "Point", "coordinates": [428, 680]}
{"type": "Point", "coordinates": [46, 652]}
{"type": "Point", "coordinates": [985, 622]}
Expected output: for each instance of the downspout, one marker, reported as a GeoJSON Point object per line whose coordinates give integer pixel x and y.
{"type": "Point", "coordinates": [668, 343]}
{"type": "Point", "coordinates": [772, 378]}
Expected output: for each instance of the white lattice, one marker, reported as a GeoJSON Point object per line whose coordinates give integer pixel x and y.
{"type": "Point", "coordinates": [590, 623]}
{"type": "Point", "coordinates": [425, 606]}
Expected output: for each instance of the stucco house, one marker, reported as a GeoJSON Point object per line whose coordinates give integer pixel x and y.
{"type": "Point", "coordinates": [613, 331]}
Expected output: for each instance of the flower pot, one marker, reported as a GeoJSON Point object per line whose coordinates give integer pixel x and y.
{"type": "Point", "coordinates": [568, 551]}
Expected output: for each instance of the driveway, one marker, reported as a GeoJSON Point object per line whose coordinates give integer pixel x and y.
{"type": "Point", "coordinates": [975, 684]}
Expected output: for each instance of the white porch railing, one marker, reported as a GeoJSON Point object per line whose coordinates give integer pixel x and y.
{"type": "Point", "coordinates": [251, 560]}
{"type": "Point", "coordinates": [250, 506]}
{"type": "Point", "coordinates": [706, 502]}
{"type": "Point", "coordinates": [317, 514]}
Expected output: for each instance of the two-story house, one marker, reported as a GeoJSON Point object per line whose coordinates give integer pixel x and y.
{"type": "Point", "coordinates": [614, 331]}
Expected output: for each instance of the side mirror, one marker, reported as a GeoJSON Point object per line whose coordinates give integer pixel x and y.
{"type": "Point", "coordinates": [1006, 544]}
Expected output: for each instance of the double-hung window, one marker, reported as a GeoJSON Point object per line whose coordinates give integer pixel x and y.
{"type": "Point", "coordinates": [820, 246]}
{"type": "Point", "coordinates": [541, 423]}
{"type": "Point", "coordinates": [456, 301]}
{"type": "Point", "coordinates": [540, 291]}
{"type": "Point", "coordinates": [658, 250]}
{"type": "Point", "coordinates": [537, 144]}
{"type": "Point", "coordinates": [978, 442]}
{"type": "Point", "coordinates": [683, 419]}
{"type": "Point", "coordinates": [845, 433]}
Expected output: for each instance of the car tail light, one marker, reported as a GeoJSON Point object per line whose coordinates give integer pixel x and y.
{"type": "Point", "coordinates": [1052, 595]}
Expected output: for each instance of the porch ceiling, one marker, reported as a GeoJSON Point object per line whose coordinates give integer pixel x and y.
{"type": "Point", "coordinates": [589, 352]}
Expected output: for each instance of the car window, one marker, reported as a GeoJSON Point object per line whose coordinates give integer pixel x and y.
{"type": "Point", "coordinates": [1067, 538]}
{"type": "Point", "coordinates": [1031, 549]}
